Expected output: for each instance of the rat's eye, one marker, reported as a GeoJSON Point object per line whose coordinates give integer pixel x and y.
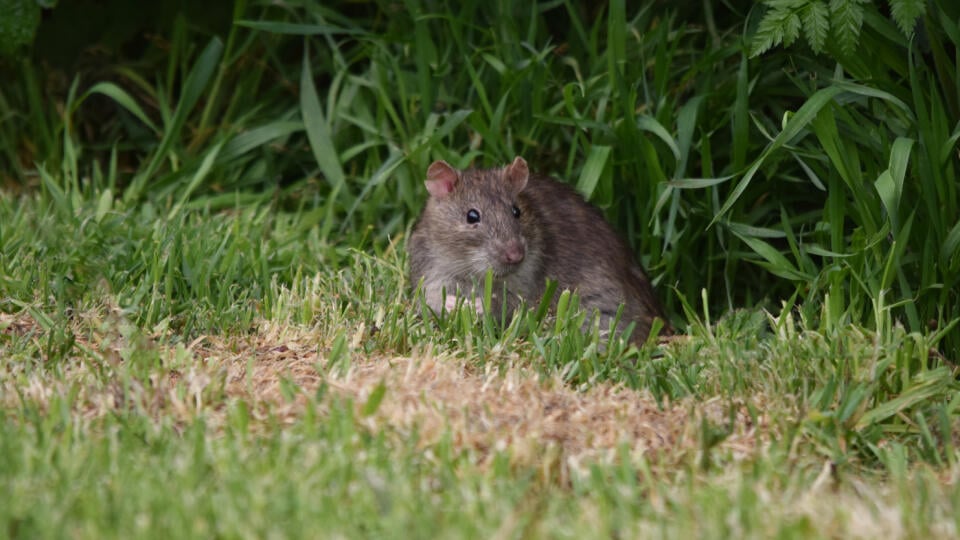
{"type": "Point", "coordinates": [516, 211]}
{"type": "Point", "coordinates": [473, 216]}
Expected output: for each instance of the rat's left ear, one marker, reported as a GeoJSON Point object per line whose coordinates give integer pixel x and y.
{"type": "Point", "coordinates": [517, 174]}
{"type": "Point", "coordinates": [441, 179]}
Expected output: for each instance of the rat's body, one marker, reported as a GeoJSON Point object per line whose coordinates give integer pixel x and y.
{"type": "Point", "coordinates": [526, 228]}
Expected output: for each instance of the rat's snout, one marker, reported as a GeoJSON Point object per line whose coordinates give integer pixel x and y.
{"type": "Point", "coordinates": [513, 252]}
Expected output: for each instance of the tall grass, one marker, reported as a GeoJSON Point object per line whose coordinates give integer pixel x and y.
{"type": "Point", "coordinates": [755, 179]}
{"type": "Point", "coordinates": [784, 176]}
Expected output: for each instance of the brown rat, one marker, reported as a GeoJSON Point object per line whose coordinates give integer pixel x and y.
{"type": "Point", "coordinates": [526, 228]}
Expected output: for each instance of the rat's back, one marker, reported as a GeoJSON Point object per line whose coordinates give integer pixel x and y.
{"type": "Point", "coordinates": [582, 252]}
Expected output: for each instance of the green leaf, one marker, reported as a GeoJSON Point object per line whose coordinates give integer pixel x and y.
{"type": "Point", "coordinates": [906, 12]}
{"type": "Point", "coordinates": [776, 262]}
{"type": "Point", "coordinates": [650, 124]}
{"type": "Point", "coordinates": [951, 245]}
{"type": "Point", "coordinates": [847, 16]}
{"type": "Point", "coordinates": [374, 400]}
{"type": "Point", "coordinates": [741, 116]}
{"type": "Point", "coordinates": [797, 122]}
{"type": "Point", "coordinates": [257, 137]}
{"type": "Point", "coordinates": [318, 131]}
{"type": "Point", "coordinates": [887, 190]}
{"type": "Point", "coordinates": [193, 87]}
{"type": "Point", "coordinates": [926, 385]}
{"type": "Point", "coordinates": [52, 188]}
{"type": "Point", "coordinates": [697, 183]}
{"type": "Point", "coordinates": [889, 184]}
{"type": "Point", "coordinates": [198, 178]}
{"type": "Point", "coordinates": [754, 231]}
{"type": "Point", "coordinates": [686, 125]}
{"type": "Point", "coordinates": [563, 305]}
{"type": "Point", "coordinates": [816, 24]}
{"type": "Point", "coordinates": [791, 29]}
{"type": "Point", "coordinates": [452, 121]}
{"type": "Point", "coordinates": [104, 203]}
{"type": "Point", "coordinates": [299, 29]}
{"type": "Point", "coordinates": [868, 91]}
{"type": "Point", "coordinates": [815, 249]}
{"type": "Point", "coordinates": [339, 357]}
{"type": "Point", "coordinates": [592, 169]}
{"type": "Point", "coordinates": [780, 24]}
{"type": "Point", "coordinates": [769, 33]}
{"type": "Point", "coordinates": [18, 25]}
{"type": "Point", "coordinates": [616, 37]}
{"type": "Point", "coordinates": [123, 99]}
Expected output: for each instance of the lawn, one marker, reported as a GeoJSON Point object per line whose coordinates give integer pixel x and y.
{"type": "Point", "coordinates": [206, 328]}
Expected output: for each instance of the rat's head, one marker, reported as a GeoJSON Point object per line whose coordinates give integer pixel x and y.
{"type": "Point", "coordinates": [477, 218]}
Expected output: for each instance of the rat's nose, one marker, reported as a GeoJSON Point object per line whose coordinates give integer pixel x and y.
{"type": "Point", "coordinates": [513, 252]}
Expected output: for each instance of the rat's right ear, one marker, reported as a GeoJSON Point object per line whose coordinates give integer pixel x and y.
{"type": "Point", "coordinates": [517, 174]}
{"type": "Point", "coordinates": [441, 178]}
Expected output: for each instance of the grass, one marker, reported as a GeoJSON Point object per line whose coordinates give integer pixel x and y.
{"type": "Point", "coordinates": [206, 330]}
{"type": "Point", "coordinates": [329, 403]}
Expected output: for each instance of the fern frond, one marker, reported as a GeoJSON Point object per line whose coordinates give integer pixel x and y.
{"type": "Point", "coordinates": [791, 29]}
{"type": "Point", "coordinates": [780, 24]}
{"type": "Point", "coordinates": [906, 12]}
{"type": "Point", "coordinates": [847, 16]}
{"type": "Point", "coordinates": [816, 24]}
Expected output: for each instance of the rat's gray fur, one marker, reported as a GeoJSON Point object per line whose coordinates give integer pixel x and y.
{"type": "Point", "coordinates": [558, 235]}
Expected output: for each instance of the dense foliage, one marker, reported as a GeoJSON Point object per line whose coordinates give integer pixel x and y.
{"type": "Point", "coordinates": [820, 179]}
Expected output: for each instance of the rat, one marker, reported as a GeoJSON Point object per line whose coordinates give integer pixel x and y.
{"type": "Point", "coordinates": [525, 228]}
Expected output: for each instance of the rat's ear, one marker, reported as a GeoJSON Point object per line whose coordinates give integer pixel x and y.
{"type": "Point", "coordinates": [516, 174]}
{"type": "Point", "coordinates": [441, 178]}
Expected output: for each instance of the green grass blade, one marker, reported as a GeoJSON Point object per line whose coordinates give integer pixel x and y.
{"type": "Point", "coordinates": [124, 99]}
{"type": "Point", "coordinates": [592, 169]}
{"type": "Point", "coordinates": [258, 137]}
{"type": "Point", "coordinates": [318, 130]}
{"type": "Point", "coordinates": [300, 29]}
{"type": "Point", "coordinates": [794, 126]}
{"type": "Point", "coordinates": [198, 178]}
{"type": "Point", "coordinates": [193, 87]}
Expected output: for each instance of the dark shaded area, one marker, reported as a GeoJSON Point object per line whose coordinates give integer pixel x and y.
{"type": "Point", "coordinates": [77, 32]}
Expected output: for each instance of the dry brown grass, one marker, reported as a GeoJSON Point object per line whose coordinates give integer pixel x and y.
{"type": "Point", "coordinates": [543, 423]}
